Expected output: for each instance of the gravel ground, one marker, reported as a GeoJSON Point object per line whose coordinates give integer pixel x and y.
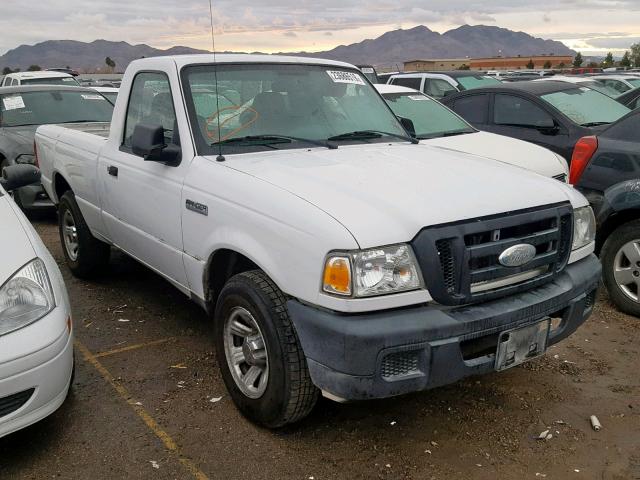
{"type": "Point", "coordinates": [144, 405]}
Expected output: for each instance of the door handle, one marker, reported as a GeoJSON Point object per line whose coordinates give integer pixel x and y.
{"type": "Point", "coordinates": [113, 171]}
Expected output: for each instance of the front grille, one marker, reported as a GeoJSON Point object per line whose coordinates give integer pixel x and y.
{"type": "Point", "coordinates": [460, 261]}
{"type": "Point", "coordinates": [13, 402]}
{"type": "Point", "coordinates": [400, 364]}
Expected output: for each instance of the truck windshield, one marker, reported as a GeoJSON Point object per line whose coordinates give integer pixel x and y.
{"type": "Point", "coordinates": [586, 107]}
{"type": "Point", "coordinates": [476, 81]}
{"type": "Point", "coordinates": [53, 106]}
{"type": "Point", "coordinates": [260, 102]}
{"type": "Point", "coordinates": [430, 119]}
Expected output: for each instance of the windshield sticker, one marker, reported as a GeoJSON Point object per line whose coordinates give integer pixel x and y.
{"type": "Point", "coordinates": [92, 96]}
{"type": "Point", "coordinates": [339, 76]}
{"type": "Point", "coordinates": [67, 79]}
{"type": "Point", "coordinates": [13, 103]}
{"type": "Point", "coordinates": [367, 70]}
{"type": "Point", "coordinates": [418, 98]}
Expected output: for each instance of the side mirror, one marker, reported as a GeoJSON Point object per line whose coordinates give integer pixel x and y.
{"type": "Point", "coordinates": [407, 123]}
{"type": "Point", "coordinates": [148, 142]}
{"type": "Point", "coordinates": [17, 176]}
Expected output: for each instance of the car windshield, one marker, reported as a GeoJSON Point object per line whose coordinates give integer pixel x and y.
{"type": "Point", "coordinates": [430, 119]}
{"type": "Point", "coordinates": [111, 96]}
{"type": "Point", "coordinates": [68, 81]}
{"type": "Point", "coordinates": [255, 106]}
{"type": "Point", "coordinates": [599, 87]}
{"type": "Point", "coordinates": [477, 81]}
{"type": "Point", "coordinates": [53, 106]}
{"type": "Point", "coordinates": [586, 107]}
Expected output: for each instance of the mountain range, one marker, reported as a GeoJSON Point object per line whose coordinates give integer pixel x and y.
{"type": "Point", "coordinates": [389, 49]}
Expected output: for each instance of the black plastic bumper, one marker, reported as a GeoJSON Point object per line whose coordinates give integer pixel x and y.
{"type": "Point", "coordinates": [392, 352]}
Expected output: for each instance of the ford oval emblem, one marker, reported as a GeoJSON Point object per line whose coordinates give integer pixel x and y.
{"type": "Point", "coordinates": [518, 255]}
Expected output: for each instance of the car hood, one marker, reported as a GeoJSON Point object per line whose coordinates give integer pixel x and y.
{"type": "Point", "coordinates": [505, 149]}
{"type": "Point", "coordinates": [15, 245]}
{"type": "Point", "coordinates": [385, 193]}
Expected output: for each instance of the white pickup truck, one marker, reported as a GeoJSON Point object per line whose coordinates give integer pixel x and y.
{"type": "Point", "coordinates": [334, 253]}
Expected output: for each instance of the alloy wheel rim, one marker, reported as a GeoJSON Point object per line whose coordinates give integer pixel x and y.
{"type": "Point", "coordinates": [246, 352]}
{"type": "Point", "coordinates": [626, 269]}
{"type": "Point", "coordinates": [70, 235]}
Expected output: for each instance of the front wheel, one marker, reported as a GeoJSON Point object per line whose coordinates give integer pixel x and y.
{"type": "Point", "coordinates": [621, 267]}
{"type": "Point", "coordinates": [86, 255]}
{"type": "Point", "coordinates": [262, 363]}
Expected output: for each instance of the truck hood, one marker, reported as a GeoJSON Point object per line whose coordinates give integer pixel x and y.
{"type": "Point", "coordinates": [505, 149]}
{"type": "Point", "coordinates": [15, 245]}
{"type": "Point", "coordinates": [385, 193]}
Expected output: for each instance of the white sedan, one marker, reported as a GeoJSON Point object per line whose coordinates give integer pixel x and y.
{"type": "Point", "coordinates": [36, 337]}
{"type": "Point", "coordinates": [437, 125]}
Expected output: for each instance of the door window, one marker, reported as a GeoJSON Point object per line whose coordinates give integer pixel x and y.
{"type": "Point", "coordinates": [517, 111]}
{"type": "Point", "coordinates": [472, 108]}
{"type": "Point", "coordinates": [409, 82]}
{"type": "Point", "coordinates": [151, 103]}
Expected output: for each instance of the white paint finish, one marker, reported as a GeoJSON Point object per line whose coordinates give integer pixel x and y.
{"type": "Point", "coordinates": [41, 354]}
{"type": "Point", "coordinates": [284, 210]}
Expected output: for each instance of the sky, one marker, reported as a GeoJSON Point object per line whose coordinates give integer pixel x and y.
{"type": "Point", "coordinates": [593, 27]}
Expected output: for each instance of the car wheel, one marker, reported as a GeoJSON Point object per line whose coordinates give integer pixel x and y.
{"type": "Point", "coordinates": [262, 363]}
{"type": "Point", "coordinates": [86, 255]}
{"type": "Point", "coordinates": [621, 267]}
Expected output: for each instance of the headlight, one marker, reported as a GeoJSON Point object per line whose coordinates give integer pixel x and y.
{"type": "Point", "coordinates": [26, 158]}
{"type": "Point", "coordinates": [584, 227]}
{"type": "Point", "coordinates": [26, 297]}
{"type": "Point", "coordinates": [372, 272]}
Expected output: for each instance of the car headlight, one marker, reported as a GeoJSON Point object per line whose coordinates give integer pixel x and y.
{"type": "Point", "coordinates": [26, 297]}
{"type": "Point", "coordinates": [367, 273]}
{"type": "Point", "coordinates": [27, 158]}
{"type": "Point", "coordinates": [584, 227]}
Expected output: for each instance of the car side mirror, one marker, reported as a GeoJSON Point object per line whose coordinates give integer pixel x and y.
{"type": "Point", "coordinates": [18, 176]}
{"type": "Point", "coordinates": [148, 142]}
{"type": "Point", "coordinates": [408, 125]}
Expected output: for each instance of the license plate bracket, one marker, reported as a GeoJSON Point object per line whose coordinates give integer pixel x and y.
{"type": "Point", "coordinates": [521, 344]}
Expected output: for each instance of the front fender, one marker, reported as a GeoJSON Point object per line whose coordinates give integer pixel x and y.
{"type": "Point", "coordinates": [618, 198]}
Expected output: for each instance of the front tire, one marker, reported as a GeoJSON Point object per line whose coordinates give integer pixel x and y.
{"type": "Point", "coordinates": [86, 255]}
{"type": "Point", "coordinates": [621, 267]}
{"type": "Point", "coordinates": [259, 354]}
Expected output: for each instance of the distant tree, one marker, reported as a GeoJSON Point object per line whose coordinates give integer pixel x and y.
{"type": "Point", "coordinates": [464, 66]}
{"type": "Point", "coordinates": [6, 71]}
{"type": "Point", "coordinates": [608, 61]}
{"type": "Point", "coordinates": [110, 63]}
{"type": "Point", "coordinates": [530, 65]}
{"type": "Point", "coordinates": [34, 68]}
{"type": "Point", "coordinates": [562, 65]}
{"type": "Point", "coordinates": [626, 60]}
{"type": "Point", "coordinates": [577, 61]}
{"type": "Point", "coordinates": [547, 64]}
{"type": "Point", "coordinates": [635, 54]}
{"type": "Point", "coordinates": [593, 65]}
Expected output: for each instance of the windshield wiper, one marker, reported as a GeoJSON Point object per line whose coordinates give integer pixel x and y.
{"type": "Point", "coordinates": [272, 139]}
{"type": "Point", "coordinates": [594, 124]}
{"type": "Point", "coordinates": [444, 134]}
{"type": "Point", "coordinates": [364, 134]}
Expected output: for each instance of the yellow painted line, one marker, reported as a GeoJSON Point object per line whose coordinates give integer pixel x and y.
{"type": "Point", "coordinates": [149, 421]}
{"type": "Point", "coordinates": [132, 347]}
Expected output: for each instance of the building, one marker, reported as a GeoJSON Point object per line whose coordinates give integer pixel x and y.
{"type": "Point", "coordinates": [431, 65]}
{"type": "Point", "coordinates": [491, 63]}
{"type": "Point", "coordinates": [520, 62]}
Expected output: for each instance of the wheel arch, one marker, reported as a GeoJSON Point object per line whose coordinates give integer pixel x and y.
{"type": "Point", "coordinates": [60, 186]}
{"type": "Point", "coordinates": [614, 221]}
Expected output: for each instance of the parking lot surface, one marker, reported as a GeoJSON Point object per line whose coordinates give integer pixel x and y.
{"type": "Point", "coordinates": [148, 402]}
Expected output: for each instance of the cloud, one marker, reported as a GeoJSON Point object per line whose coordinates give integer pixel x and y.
{"type": "Point", "coordinates": [612, 42]}
{"type": "Point", "coordinates": [290, 34]}
{"type": "Point", "coordinates": [546, 18]}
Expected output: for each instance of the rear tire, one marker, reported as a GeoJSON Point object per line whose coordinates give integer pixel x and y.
{"type": "Point", "coordinates": [253, 332]}
{"type": "Point", "coordinates": [621, 267]}
{"type": "Point", "coordinates": [86, 255]}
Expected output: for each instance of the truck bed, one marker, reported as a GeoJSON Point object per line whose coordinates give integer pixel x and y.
{"type": "Point", "coordinates": [100, 129]}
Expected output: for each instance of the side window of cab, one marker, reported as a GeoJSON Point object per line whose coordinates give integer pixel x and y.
{"type": "Point", "coordinates": [151, 103]}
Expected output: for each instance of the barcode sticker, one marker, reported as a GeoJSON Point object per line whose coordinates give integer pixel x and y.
{"type": "Point", "coordinates": [339, 76]}
{"type": "Point", "coordinates": [13, 103]}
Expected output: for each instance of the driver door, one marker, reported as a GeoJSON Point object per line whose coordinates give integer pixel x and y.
{"type": "Point", "coordinates": [142, 199]}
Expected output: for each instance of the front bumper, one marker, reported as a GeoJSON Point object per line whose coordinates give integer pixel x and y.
{"type": "Point", "coordinates": [33, 197]}
{"type": "Point", "coordinates": [37, 384]}
{"type": "Point", "coordinates": [388, 353]}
